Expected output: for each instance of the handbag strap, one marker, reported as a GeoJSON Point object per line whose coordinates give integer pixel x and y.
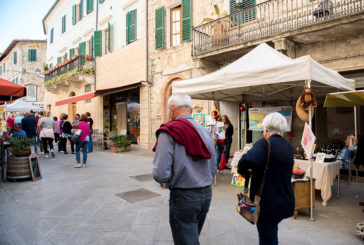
{"type": "Point", "coordinates": [260, 189]}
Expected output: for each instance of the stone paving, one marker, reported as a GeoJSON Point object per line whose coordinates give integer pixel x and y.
{"type": "Point", "coordinates": [80, 206]}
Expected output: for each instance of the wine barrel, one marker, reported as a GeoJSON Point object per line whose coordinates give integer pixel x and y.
{"type": "Point", "coordinates": [18, 168]}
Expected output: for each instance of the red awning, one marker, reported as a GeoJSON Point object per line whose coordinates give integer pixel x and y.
{"type": "Point", "coordinates": [74, 99]}
{"type": "Point", "coordinates": [10, 91]}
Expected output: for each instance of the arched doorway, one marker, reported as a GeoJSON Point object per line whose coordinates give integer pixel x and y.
{"type": "Point", "coordinates": [72, 108]}
{"type": "Point", "coordinates": [166, 93]}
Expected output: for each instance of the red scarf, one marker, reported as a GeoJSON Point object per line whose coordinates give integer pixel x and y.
{"type": "Point", "coordinates": [184, 133]}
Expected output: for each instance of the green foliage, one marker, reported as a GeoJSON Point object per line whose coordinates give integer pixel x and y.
{"type": "Point", "coordinates": [121, 141]}
{"type": "Point", "coordinates": [45, 67]}
{"type": "Point", "coordinates": [20, 144]}
{"type": "Point", "coordinates": [74, 72]}
{"type": "Point", "coordinates": [217, 12]}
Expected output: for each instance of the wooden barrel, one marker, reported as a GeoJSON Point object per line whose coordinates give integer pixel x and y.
{"type": "Point", "coordinates": [18, 168]}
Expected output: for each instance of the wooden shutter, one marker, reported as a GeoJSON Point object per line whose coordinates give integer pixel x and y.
{"type": "Point", "coordinates": [127, 27]}
{"type": "Point", "coordinates": [65, 56]}
{"type": "Point", "coordinates": [59, 59]}
{"type": "Point", "coordinates": [51, 38]}
{"type": "Point", "coordinates": [186, 20]}
{"type": "Point", "coordinates": [15, 58]}
{"type": "Point", "coordinates": [101, 1]}
{"type": "Point", "coordinates": [64, 24]}
{"type": "Point", "coordinates": [159, 28]}
{"type": "Point", "coordinates": [82, 49]}
{"type": "Point", "coordinates": [92, 46]}
{"type": "Point", "coordinates": [108, 37]}
{"type": "Point", "coordinates": [250, 14]}
{"type": "Point", "coordinates": [98, 43]}
{"type": "Point", "coordinates": [72, 52]}
{"type": "Point", "coordinates": [133, 26]}
{"type": "Point", "coordinates": [89, 6]}
{"type": "Point", "coordinates": [74, 14]}
{"type": "Point", "coordinates": [34, 55]}
{"type": "Point", "coordinates": [233, 7]}
{"type": "Point", "coordinates": [81, 9]}
{"type": "Point", "coordinates": [29, 55]}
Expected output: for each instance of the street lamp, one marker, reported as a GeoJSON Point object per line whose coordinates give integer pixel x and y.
{"type": "Point", "coordinates": [239, 4]}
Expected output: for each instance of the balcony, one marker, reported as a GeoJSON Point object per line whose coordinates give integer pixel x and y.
{"type": "Point", "coordinates": [76, 69]}
{"type": "Point", "coordinates": [302, 21]}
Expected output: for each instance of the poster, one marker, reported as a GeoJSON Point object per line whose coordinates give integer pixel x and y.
{"type": "Point", "coordinates": [200, 118]}
{"type": "Point", "coordinates": [237, 179]}
{"type": "Point", "coordinates": [220, 130]}
{"type": "Point", "coordinates": [256, 116]}
{"type": "Point", "coordinates": [308, 140]}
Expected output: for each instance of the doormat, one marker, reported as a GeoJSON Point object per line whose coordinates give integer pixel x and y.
{"type": "Point", "coordinates": [143, 177]}
{"type": "Point", "coordinates": [137, 195]}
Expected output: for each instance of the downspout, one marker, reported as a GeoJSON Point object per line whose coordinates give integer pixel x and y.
{"type": "Point", "coordinates": [146, 73]}
{"type": "Point", "coordinates": [96, 26]}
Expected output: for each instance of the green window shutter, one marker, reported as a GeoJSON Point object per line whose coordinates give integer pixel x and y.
{"type": "Point", "coordinates": [131, 26]}
{"type": "Point", "coordinates": [50, 65]}
{"type": "Point", "coordinates": [1, 70]}
{"type": "Point", "coordinates": [89, 6]}
{"type": "Point", "coordinates": [98, 43]}
{"type": "Point", "coordinates": [101, 1]}
{"type": "Point", "coordinates": [51, 37]}
{"type": "Point", "coordinates": [108, 37]}
{"type": "Point", "coordinates": [186, 20]}
{"type": "Point", "coordinates": [81, 9]}
{"type": "Point", "coordinates": [29, 55]}
{"type": "Point", "coordinates": [65, 56]}
{"type": "Point", "coordinates": [159, 28]}
{"type": "Point", "coordinates": [74, 12]}
{"type": "Point", "coordinates": [34, 55]}
{"type": "Point", "coordinates": [15, 58]}
{"type": "Point", "coordinates": [233, 7]}
{"type": "Point", "coordinates": [127, 27]}
{"type": "Point", "coordinates": [92, 46]}
{"type": "Point", "coordinates": [72, 52]}
{"type": "Point", "coordinates": [64, 24]}
{"type": "Point", "coordinates": [82, 49]}
{"type": "Point", "coordinates": [59, 60]}
{"type": "Point", "coordinates": [250, 14]}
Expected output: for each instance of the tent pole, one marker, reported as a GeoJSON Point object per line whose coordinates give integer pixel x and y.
{"type": "Point", "coordinates": [355, 124]}
{"type": "Point", "coordinates": [310, 160]}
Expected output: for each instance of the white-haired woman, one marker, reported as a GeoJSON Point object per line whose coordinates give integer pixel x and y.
{"type": "Point", "coordinates": [277, 200]}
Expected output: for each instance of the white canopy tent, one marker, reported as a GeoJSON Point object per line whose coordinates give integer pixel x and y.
{"type": "Point", "coordinates": [21, 106]}
{"type": "Point", "coordinates": [264, 74]}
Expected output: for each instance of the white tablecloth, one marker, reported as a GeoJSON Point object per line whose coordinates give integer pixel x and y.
{"type": "Point", "coordinates": [324, 173]}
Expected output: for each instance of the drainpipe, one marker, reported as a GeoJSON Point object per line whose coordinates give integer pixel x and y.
{"type": "Point", "coordinates": [97, 20]}
{"type": "Point", "coordinates": [146, 73]}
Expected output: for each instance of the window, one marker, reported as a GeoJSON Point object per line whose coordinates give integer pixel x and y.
{"type": "Point", "coordinates": [31, 92]}
{"type": "Point", "coordinates": [248, 15]}
{"type": "Point", "coordinates": [4, 67]}
{"type": "Point", "coordinates": [32, 55]}
{"type": "Point", "coordinates": [176, 37]}
{"type": "Point", "coordinates": [65, 56]}
{"type": "Point", "coordinates": [101, 1]}
{"type": "Point", "coordinates": [82, 49]}
{"type": "Point", "coordinates": [16, 80]}
{"type": "Point", "coordinates": [89, 6]}
{"type": "Point", "coordinates": [72, 52]}
{"type": "Point", "coordinates": [106, 40]}
{"type": "Point", "coordinates": [74, 14]}
{"type": "Point", "coordinates": [89, 47]}
{"type": "Point", "coordinates": [81, 10]}
{"type": "Point", "coordinates": [59, 60]}
{"type": "Point", "coordinates": [15, 58]}
{"type": "Point", "coordinates": [87, 90]}
{"type": "Point", "coordinates": [64, 24]}
{"type": "Point", "coordinates": [51, 36]}
{"type": "Point", "coordinates": [78, 10]}
{"type": "Point", "coordinates": [131, 26]}
{"type": "Point", "coordinates": [1, 70]}
{"type": "Point", "coordinates": [50, 65]}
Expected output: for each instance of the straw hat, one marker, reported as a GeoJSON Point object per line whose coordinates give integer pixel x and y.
{"type": "Point", "coordinates": [300, 110]}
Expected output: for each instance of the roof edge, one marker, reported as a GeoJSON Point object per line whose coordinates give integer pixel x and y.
{"type": "Point", "coordinates": [46, 16]}
{"type": "Point", "coordinates": [15, 42]}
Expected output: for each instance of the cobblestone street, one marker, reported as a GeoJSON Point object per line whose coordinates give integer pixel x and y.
{"type": "Point", "coordinates": [81, 206]}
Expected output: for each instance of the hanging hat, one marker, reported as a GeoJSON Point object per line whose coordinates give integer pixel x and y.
{"type": "Point", "coordinates": [301, 112]}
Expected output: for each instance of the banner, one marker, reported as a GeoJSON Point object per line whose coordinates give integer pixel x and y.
{"type": "Point", "coordinates": [256, 116]}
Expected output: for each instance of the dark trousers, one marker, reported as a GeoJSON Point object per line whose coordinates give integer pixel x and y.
{"type": "Point", "coordinates": [46, 142]}
{"type": "Point", "coordinates": [219, 150]}
{"type": "Point", "coordinates": [187, 213]}
{"type": "Point", "coordinates": [56, 137]}
{"type": "Point", "coordinates": [64, 145]}
{"type": "Point", "coordinates": [84, 146]}
{"type": "Point", "coordinates": [227, 151]}
{"type": "Point", "coordinates": [268, 231]}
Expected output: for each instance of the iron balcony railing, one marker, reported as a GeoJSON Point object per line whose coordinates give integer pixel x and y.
{"type": "Point", "coordinates": [266, 19]}
{"type": "Point", "coordinates": [69, 65]}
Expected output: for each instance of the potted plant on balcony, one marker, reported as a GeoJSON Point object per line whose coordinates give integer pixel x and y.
{"type": "Point", "coordinates": [88, 57]}
{"type": "Point", "coordinates": [45, 67]}
{"type": "Point", "coordinates": [218, 30]}
{"type": "Point", "coordinates": [120, 143]}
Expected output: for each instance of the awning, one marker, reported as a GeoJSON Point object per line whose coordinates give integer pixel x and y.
{"type": "Point", "coordinates": [345, 99]}
{"type": "Point", "coordinates": [74, 99]}
{"type": "Point", "coordinates": [117, 89]}
{"type": "Point", "coordinates": [9, 90]}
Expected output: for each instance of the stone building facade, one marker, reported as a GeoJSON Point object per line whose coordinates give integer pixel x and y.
{"type": "Point", "coordinates": [22, 63]}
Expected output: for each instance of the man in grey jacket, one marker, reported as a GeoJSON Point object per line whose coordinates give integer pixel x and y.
{"type": "Point", "coordinates": [185, 163]}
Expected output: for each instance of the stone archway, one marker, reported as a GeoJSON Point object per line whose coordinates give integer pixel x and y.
{"type": "Point", "coordinates": [166, 93]}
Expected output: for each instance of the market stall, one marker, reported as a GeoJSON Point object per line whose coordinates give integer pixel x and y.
{"type": "Point", "coordinates": [21, 106]}
{"type": "Point", "coordinates": [265, 75]}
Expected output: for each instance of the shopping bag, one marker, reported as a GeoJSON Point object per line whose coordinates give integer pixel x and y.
{"type": "Point", "coordinates": [223, 162]}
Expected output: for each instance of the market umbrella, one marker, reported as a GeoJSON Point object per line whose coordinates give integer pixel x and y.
{"type": "Point", "coordinates": [10, 91]}
{"type": "Point", "coordinates": [345, 99]}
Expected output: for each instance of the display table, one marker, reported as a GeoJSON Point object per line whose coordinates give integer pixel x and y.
{"type": "Point", "coordinates": [324, 173]}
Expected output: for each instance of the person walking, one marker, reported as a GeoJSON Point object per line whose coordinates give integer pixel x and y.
{"type": "Point", "coordinates": [46, 128]}
{"type": "Point", "coordinates": [56, 133]}
{"type": "Point", "coordinates": [66, 134]}
{"type": "Point", "coordinates": [30, 127]}
{"type": "Point", "coordinates": [59, 127]}
{"type": "Point", "coordinates": [229, 131]}
{"type": "Point", "coordinates": [84, 126]}
{"type": "Point", "coordinates": [185, 163]}
{"type": "Point", "coordinates": [37, 119]}
{"type": "Point", "coordinates": [91, 122]}
{"type": "Point", "coordinates": [277, 198]}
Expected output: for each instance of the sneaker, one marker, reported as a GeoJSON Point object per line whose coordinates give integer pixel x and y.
{"type": "Point", "coordinates": [53, 155]}
{"type": "Point", "coordinates": [83, 165]}
{"type": "Point", "coordinates": [46, 155]}
{"type": "Point", "coordinates": [41, 153]}
{"type": "Point", "coordinates": [61, 151]}
{"type": "Point", "coordinates": [77, 165]}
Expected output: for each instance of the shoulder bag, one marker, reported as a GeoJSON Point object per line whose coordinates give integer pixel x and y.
{"type": "Point", "coordinates": [248, 209]}
{"type": "Point", "coordinates": [76, 137]}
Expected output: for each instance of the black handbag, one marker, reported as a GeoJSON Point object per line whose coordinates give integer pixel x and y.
{"type": "Point", "coordinates": [246, 208]}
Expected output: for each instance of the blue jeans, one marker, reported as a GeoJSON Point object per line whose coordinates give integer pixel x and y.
{"type": "Point", "coordinates": [90, 145]}
{"type": "Point", "coordinates": [219, 150]}
{"type": "Point", "coordinates": [268, 231]}
{"type": "Point", "coordinates": [34, 138]}
{"type": "Point", "coordinates": [227, 151]}
{"type": "Point", "coordinates": [187, 213]}
{"type": "Point", "coordinates": [84, 151]}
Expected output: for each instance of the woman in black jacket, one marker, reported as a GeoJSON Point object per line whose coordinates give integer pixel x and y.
{"type": "Point", "coordinates": [229, 131]}
{"type": "Point", "coordinates": [277, 200]}
{"type": "Point", "coordinates": [66, 134]}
